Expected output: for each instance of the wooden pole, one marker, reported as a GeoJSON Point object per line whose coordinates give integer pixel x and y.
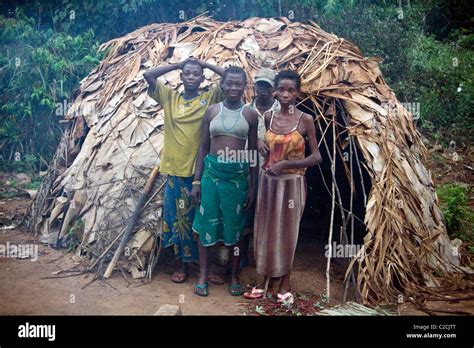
{"type": "Point", "coordinates": [351, 213]}
{"type": "Point", "coordinates": [333, 203]}
{"type": "Point", "coordinates": [133, 220]}
{"type": "Point", "coordinates": [343, 231]}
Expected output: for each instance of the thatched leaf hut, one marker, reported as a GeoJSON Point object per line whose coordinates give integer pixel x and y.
{"type": "Point", "coordinates": [116, 135]}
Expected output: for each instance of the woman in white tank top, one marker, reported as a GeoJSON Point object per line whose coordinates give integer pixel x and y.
{"type": "Point", "coordinates": [220, 185]}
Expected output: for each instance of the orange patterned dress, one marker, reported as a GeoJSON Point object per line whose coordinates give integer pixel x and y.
{"type": "Point", "coordinates": [289, 146]}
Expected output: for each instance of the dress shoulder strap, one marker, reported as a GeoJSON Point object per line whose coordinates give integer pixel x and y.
{"type": "Point", "coordinates": [298, 123]}
{"type": "Point", "coordinates": [271, 120]}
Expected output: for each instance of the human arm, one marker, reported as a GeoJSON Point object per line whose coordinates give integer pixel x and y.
{"type": "Point", "coordinates": [205, 65]}
{"type": "Point", "coordinates": [202, 152]}
{"type": "Point", "coordinates": [252, 116]}
{"type": "Point", "coordinates": [263, 148]}
{"type": "Point", "coordinates": [261, 145]}
{"type": "Point", "coordinates": [152, 74]}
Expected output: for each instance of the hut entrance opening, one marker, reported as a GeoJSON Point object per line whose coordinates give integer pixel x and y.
{"type": "Point", "coordinates": [349, 209]}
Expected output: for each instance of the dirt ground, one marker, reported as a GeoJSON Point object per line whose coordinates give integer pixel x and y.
{"type": "Point", "coordinates": [30, 288]}
{"type": "Point", "coordinates": [24, 289]}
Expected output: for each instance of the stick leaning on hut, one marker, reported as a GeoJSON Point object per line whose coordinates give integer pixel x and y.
{"type": "Point", "coordinates": [133, 220]}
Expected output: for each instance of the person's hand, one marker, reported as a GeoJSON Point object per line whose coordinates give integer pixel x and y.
{"type": "Point", "coordinates": [196, 194]}
{"type": "Point", "coordinates": [262, 148]}
{"type": "Point", "coordinates": [277, 168]}
{"type": "Point", "coordinates": [180, 65]}
{"type": "Point", "coordinates": [250, 199]}
{"type": "Point", "coordinates": [202, 63]}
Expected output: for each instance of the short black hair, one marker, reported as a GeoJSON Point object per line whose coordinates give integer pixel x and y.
{"type": "Point", "coordinates": [288, 75]}
{"type": "Point", "coordinates": [234, 70]}
{"type": "Point", "coordinates": [193, 62]}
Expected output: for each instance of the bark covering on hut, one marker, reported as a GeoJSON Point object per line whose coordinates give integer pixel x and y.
{"type": "Point", "coordinates": [116, 138]}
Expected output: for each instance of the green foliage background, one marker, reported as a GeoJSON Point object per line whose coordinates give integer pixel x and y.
{"type": "Point", "coordinates": [458, 216]}
{"type": "Point", "coordinates": [49, 46]}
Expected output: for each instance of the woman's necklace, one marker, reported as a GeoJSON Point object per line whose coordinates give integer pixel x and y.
{"type": "Point", "coordinates": [232, 107]}
{"type": "Point", "coordinates": [236, 117]}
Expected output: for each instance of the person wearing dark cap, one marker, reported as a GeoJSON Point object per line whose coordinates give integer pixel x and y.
{"type": "Point", "coordinates": [264, 103]}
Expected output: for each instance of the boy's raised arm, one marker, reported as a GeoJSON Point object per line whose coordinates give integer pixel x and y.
{"type": "Point", "coordinates": [217, 69]}
{"type": "Point", "coordinates": [152, 74]}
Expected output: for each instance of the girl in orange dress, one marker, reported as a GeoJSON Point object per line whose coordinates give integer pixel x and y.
{"type": "Point", "coordinates": [282, 186]}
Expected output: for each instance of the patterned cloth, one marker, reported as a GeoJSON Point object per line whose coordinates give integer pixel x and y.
{"type": "Point", "coordinates": [221, 215]}
{"type": "Point", "coordinates": [290, 146]}
{"type": "Point", "coordinates": [178, 217]}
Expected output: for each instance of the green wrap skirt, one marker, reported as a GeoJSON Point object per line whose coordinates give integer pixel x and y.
{"type": "Point", "coordinates": [221, 215]}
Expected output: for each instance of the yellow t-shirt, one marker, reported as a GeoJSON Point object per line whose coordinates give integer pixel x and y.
{"type": "Point", "coordinates": [183, 119]}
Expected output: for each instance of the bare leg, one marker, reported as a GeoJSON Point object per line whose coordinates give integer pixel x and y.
{"type": "Point", "coordinates": [203, 270]}
{"type": "Point", "coordinates": [236, 251]}
{"type": "Point", "coordinates": [244, 258]}
{"type": "Point", "coordinates": [272, 284]}
{"type": "Point", "coordinates": [183, 267]}
{"type": "Point", "coordinates": [285, 284]}
{"type": "Point", "coordinates": [180, 275]}
{"type": "Point", "coordinates": [270, 287]}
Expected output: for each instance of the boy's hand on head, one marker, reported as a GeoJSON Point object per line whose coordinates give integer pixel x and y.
{"type": "Point", "coordinates": [180, 65]}
{"type": "Point", "coordinates": [201, 62]}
